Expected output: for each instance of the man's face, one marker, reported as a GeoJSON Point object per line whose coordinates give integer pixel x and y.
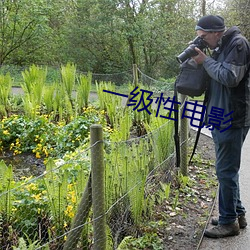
{"type": "Point", "coordinates": [211, 38]}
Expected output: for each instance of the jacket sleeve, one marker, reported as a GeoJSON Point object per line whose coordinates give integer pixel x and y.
{"type": "Point", "coordinates": [234, 66]}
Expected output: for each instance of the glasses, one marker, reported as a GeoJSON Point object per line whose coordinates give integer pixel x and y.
{"type": "Point", "coordinates": [203, 36]}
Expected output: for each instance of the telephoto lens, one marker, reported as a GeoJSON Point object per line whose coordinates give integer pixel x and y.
{"type": "Point", "coordinates": [190, 50]}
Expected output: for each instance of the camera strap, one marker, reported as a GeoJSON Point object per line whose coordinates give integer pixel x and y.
{"type": "Point", "coordinates": [176, 135]}
{"type": "Point", "coordinates": [199, 128]}
{"type": "Point", "coordinates": [176, 126]}
{"type": "Point", "coordinates": [200, 123]}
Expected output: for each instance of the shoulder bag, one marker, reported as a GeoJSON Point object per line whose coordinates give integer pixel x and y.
{"type": "Point", "coordinates": [192, 79]}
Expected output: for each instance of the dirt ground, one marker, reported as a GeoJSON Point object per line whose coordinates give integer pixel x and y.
{"type": "Point", "coordinates": [187, 224]}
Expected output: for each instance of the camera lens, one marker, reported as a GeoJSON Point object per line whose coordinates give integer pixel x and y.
{"type": "Point", "coordinates": [190, 50]}
{"type": "Point", "coordinates": [187, 53]}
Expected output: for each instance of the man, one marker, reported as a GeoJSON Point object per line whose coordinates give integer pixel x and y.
{"type": "Point", "coordinates": [228, 93]}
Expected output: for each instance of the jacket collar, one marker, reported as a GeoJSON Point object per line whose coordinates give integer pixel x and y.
{"type": "Point", "coordinates": [231, 32]}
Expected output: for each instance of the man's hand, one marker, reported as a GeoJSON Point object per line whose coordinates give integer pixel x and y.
{"type": "Point", "coordinates": [200, 58]}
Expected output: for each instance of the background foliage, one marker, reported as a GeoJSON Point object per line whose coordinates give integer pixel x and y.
{"type": "Point", "coordinates": [106, 36]}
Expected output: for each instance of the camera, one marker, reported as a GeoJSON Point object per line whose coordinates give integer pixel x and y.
{"type": "Point", "coordinates": [190, 51]}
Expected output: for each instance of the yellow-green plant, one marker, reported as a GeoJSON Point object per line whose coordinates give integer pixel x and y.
{"type": "Point", "coordinates": [103, 96]}
{"type": "Point", "coordinates": [68, 74]}
{"type": "Point", "coordinates": [56, 184]}
{"type": "Point", "coordinates": [143, 109]}
{"type": "Point", "coordinates": [48, 97]}
{"type": "Point", "coordinates": [184, 181]}
{"type": "Point", "coordinates": [161, 134]}
{"type": "Point", "coordinates": [64, 189]}
{"type": "Point", "coordinates": [5, 90]}
{"type": "Point", "coordinates": [126, 172]}
{"type": "Point", "coordinates": [176, 199]}
{"type": "Point", "coordinates": [33, 85]}
{"type": "Point", "coordinates": [111, 103]}
{"type": "Point", "coordinates": [137, 180]}
{"type": "Point", "coordinates": [122, 125]}
{"type": "Point", "coordinates": [6, 184]}
{"type": "Point", "coordinates": [83, 90]}
{"type": "Point", "coordinates": [29, 245]}
{"type": "Point", "coordinates": [164, 192]}
{"type": "Point", "coordinates": [62, 106]}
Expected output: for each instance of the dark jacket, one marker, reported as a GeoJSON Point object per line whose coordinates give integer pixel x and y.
{"type": "Point", "coordinates": [229, 88]}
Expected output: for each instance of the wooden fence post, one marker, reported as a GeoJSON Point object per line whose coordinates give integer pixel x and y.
{"type": "Point", "coordinates": [135, 75]}
{"type": "Point", "coordinates": [80, 218]}
{"type": "Point", "coordinates": [98, 195]}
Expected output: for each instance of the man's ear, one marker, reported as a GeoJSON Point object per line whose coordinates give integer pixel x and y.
{"type": "Point", "coordinates": [219, 34]}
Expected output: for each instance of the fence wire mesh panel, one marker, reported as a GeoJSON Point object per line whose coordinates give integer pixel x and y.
{"type": "Point", "coordinates": [164, 85]}
{"type": "Point", "coordinates": [58, 207]}
{"type": "Point", "coordinates": [38, 213]}
{"type": "Point", "coordinates": [134, 171]}
{"type": "Point", "coordinates": [117, 78]}
{"type": "Point", "coordinates": [43, 211]}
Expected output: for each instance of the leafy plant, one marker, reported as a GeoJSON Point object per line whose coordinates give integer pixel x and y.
{"type": "Point", "coordinates": [161, 134]}
{"type": "Point", "coordinates": [176, 199]}
{"type": "Point", "coordinates": [34, 81]}
{"type": "Point", "coordinates": [43, 137]}
{"type": "Point", "coordinates": [83, 90]}
{"type": "Point", "coordinates": [68, 74]}
{"type": "Point", "coordinates": [48, 98]}
{"type": "Point", "coordinates": [147, 241]}
{"type": "Point", "coordinates": [30, 208]}
{"type": "Point", "coordinates": [111, 103]}
{"type": "Point", "coordinates": [6, 184]}
{"type": "Point", "coordinates": [22, 245]}
{"type": "Point", "coordinates": [164, 192]}
{"type": "Point", "coordinates": [184, 181]}
{"type": "Point", "coordinates": [5, 90]}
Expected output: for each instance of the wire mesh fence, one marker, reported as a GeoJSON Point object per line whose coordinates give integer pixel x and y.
{"type": "Point", "coordinates": [46, 210]}
{"type": "Point", "coordinates": [56, 209]}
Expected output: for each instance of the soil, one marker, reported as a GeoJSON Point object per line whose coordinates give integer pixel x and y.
{"type": "Point", "coordinates": [25, 164]}
{"type": "Point", "coordinates": [186, 223]}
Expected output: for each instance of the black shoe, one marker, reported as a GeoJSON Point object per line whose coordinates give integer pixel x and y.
{"type": "Point", "coordinates": [241, 219]}
{"type": "Point", "coordinates": [221, 231]}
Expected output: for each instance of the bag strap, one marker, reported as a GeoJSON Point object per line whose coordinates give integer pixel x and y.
{"type": "Point", "coordinates": [176, 125]}
{"type": "Point", "coordinates": [176, 121]}
{"type": "Point", "coordinates": [199, 129]}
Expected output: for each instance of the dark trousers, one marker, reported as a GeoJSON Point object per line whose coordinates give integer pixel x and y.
{"type": "Point", "coordinates": [228, 145]}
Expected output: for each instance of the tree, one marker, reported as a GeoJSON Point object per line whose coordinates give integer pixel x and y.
{"type": "Point", "coordinates": [21, 21]}
{"type": "Point", "coordinates": [105, 36]}
{"type": "Point", "coordinates": [237, 13]}
{"type": "Point", "coordinates": [102, 36]}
